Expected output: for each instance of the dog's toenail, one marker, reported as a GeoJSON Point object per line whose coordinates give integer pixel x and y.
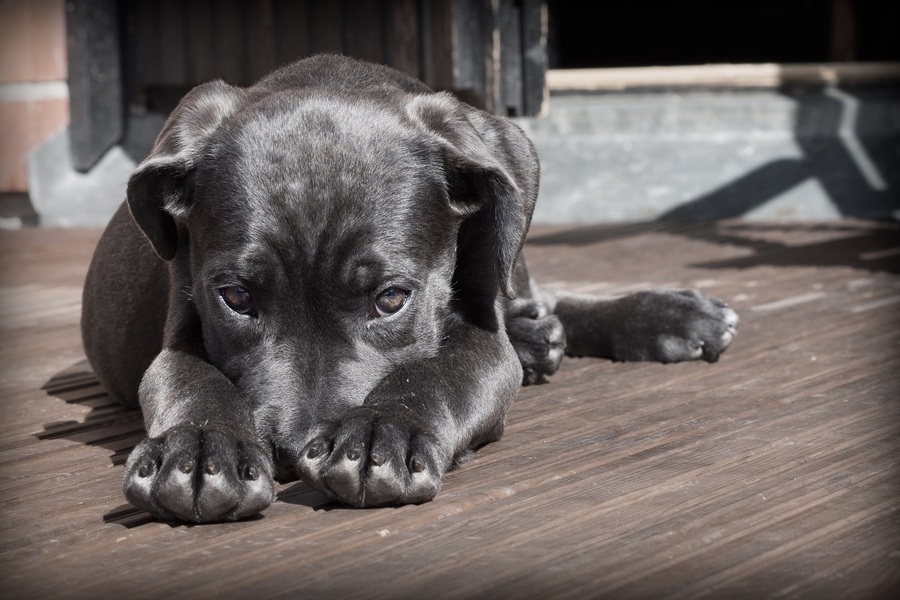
{"type": "Point", "coordinates": [144, 471]}
{"type": "Point", "coordinates": [252, 473]}
{"type": "Point", "coordinates": [313, 452]}
{"type": "Point", "coordinates": [353, 454]}
{"type": "Point", "coordinates": [416, 465]}
{"type": "Point", "coordinates": [377, 459]}
{"type": "Point", "coordinates": [212, 468]}
{"type": "Point", "coordinates": [186, 467]}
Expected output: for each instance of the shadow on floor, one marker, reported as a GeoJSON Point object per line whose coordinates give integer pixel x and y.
{"type": "Point", "coordinates": [849, 145]}
{"type": "Point", "coordinates": [110, 426]}
{"type": "Point", "coordinates": [107, 425]}
{"type": "Point", "coordinates": [873, 247]}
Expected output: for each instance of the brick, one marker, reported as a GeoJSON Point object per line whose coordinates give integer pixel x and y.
{"type": "Point", "coordinates": [32, 40]}
{"type": "Point", "coordinates": [26, 124]}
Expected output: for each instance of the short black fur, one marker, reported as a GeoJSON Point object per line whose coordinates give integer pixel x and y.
{"type": "Point", "coordinates": [303, 199]}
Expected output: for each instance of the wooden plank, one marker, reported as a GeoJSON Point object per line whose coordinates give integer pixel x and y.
{"type": "Point", "coordinates": [534, 57]}
{"type": "Point", "coordinates": [402, 36]}
{"type": "Point", "coordinates": [738, 76]}
{"type": "Point", "coordinates": [512, 98]}
{"type": "Point", "coordinates": [173, 44]}
{"type": "Point", "coordinates": [231, 42]}
{"type": "Point", "coordinates": [95, 81]}
{"type": "Point", "coordinates": [260, 49]}
{"type": "Point", "coordinates": [140, 50]}
{"type": "Point", "coordinates": [327, 27]}
{"type": "Point", "coordinates": [201, 41]}
{"type": "Point", "coordinates": [476, 56]}
{"type": "Point", "coordinates": [364, 30]}
{"type": "Point", "coordinates": [440, 49]}
{"type": "Point", "coordinates": [292, 30]}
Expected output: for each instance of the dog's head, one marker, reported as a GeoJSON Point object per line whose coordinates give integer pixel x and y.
{"type": "Point", "coordinates": [326, 237]}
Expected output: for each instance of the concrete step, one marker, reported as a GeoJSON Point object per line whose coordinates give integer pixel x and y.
{"type": "Point", "coordinates": [754, 154]}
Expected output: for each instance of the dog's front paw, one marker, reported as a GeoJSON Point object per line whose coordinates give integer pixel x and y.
{"type": "Point", "coordinates": [199, 474]}
{"type": "Point", "coordinates": [537, 337]}
{"type": "Point", "coordinates": [677, 325]}
{"type": "Point", "coordinates": [374, 457]}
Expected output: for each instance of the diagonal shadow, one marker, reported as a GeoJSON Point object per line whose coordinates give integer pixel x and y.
{"type": "Point", "coordinates": [742, 195]}
{"type": "Point", "coordinates": [866, 246]}
{"type": "Point", "coordinates": [107, 425]}
{"type": "Point", "coordinates": [842, 148]}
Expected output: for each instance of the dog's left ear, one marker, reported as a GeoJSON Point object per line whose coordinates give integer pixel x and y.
{"type": "Point", "coordinates": [492, 180]}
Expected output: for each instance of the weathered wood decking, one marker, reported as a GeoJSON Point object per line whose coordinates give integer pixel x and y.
{"type": "Point", "coordinates": [773, 473]}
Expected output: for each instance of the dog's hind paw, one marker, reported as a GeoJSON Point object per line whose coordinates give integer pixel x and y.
{"type": "Point", "coordinates": [373, 457]}
{"type": "Point", "coordinates": [537, 337]}
{"type": "Point", "coordinates": [199, 474]}
{"type": "Point", "coordinates": [674, 326]}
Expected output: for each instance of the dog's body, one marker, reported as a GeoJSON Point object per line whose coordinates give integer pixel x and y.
{"type": "Point", "coordinates": [320, 277]}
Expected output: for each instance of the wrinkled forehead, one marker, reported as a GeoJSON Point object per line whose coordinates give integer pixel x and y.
{"type": "Point", "coordinates": [319, 152]}
{"type": "Point", "coordinates": [325, 172]}
{"type": "Point", "coordinates": [325, 145]}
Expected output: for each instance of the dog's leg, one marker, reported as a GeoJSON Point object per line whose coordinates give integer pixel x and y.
{"type": "Point", "coordinates": [536, 334]}
{"type": "Point", "coordinates": [201, 461]}
{"type": "Point", "coordinates": [657, 325]}
{"type": "Point", "coordinates": [419, 421]}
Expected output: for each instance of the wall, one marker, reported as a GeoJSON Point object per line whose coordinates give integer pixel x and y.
{"type": "Point", "coordinates": [34, 97]}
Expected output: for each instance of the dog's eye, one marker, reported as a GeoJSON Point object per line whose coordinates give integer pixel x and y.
{"type": "Point", "coordinates": [237, 299]}
{"type": "Point", "coordinates": [389, 301]}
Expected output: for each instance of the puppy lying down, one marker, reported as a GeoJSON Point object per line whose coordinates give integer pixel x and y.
{"type": "Point", "coordinates": [319, 277]}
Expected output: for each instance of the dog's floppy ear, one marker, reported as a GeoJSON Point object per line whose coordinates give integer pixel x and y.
{"type": "Point", "coordinates": [159, 190]}
{"type": "Point", "coordinates": [492, 177]}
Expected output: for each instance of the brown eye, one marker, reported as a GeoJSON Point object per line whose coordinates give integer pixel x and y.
{"type": "Point", "coordinates": [237, 299]}
{"type": "Point", "coordinates": [389, 301]}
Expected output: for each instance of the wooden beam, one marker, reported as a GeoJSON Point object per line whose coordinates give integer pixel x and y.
{"type": "Point", "coordinates": [737, 76]}
{"type": "Point", "coordinates": [95, 80]}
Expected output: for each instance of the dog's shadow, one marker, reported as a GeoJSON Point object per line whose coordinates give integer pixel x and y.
{"type": "Point", "coordinates": [107, 425]}
{"type": "Point", "coordinates": [110, 426]}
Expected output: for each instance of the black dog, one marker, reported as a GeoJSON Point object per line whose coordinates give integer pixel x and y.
{"type": "Point", "coordinates": [320, 276]}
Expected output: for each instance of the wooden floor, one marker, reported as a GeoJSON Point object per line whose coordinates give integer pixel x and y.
{"type": "Point", "coordinates": [773, 473]}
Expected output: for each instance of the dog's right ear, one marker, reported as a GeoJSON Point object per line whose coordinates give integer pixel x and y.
{"type": "Point", "coordinates": [159, 190]}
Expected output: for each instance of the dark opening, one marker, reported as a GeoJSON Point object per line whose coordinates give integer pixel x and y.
{"type": "Point", "coordinates": [689, 32]}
